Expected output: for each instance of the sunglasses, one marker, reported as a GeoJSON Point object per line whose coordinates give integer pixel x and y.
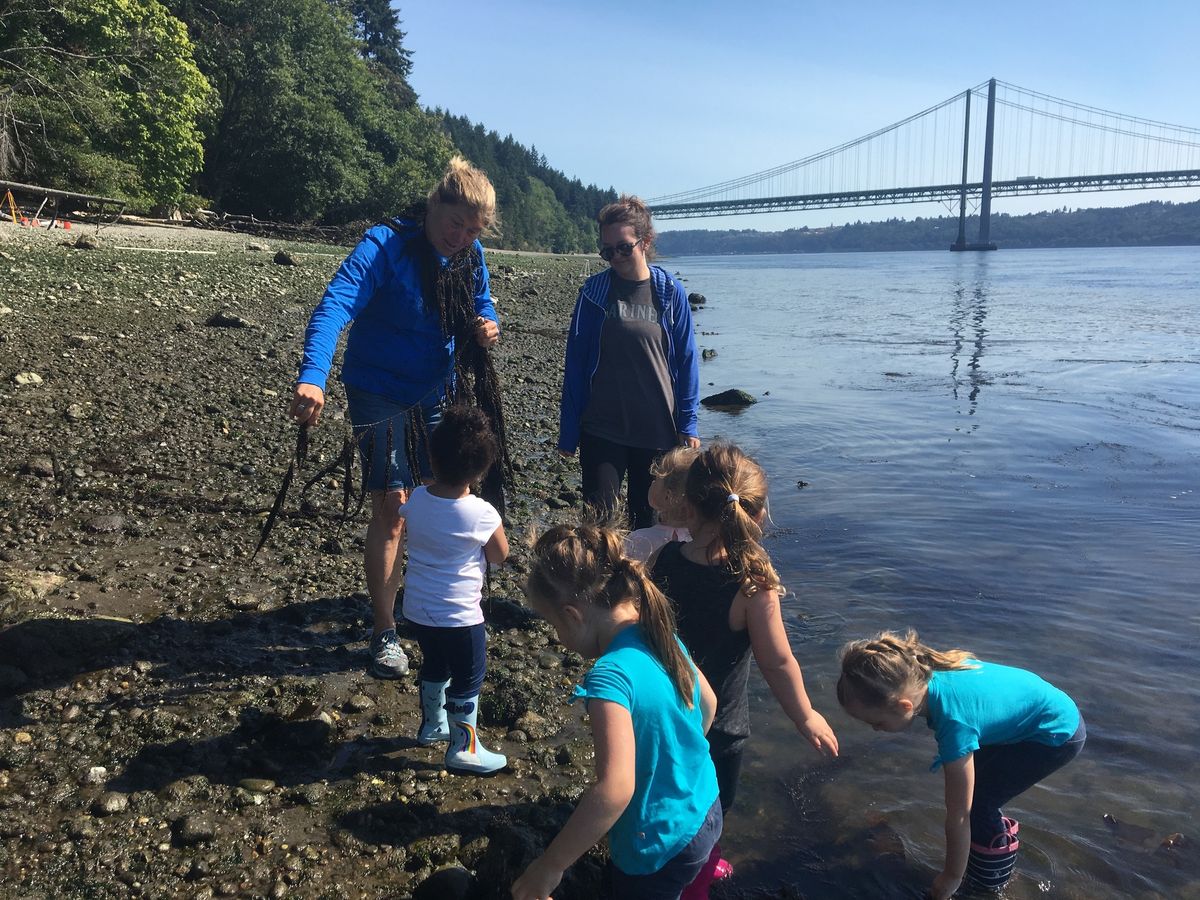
{"type": "Point", "coordinates": [622, 249]}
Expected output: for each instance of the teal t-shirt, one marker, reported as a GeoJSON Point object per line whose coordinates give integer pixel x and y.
{"type": "Point", "coordinates": [675, 783]}
{"type": "Point", "coordinates": [994, 704]}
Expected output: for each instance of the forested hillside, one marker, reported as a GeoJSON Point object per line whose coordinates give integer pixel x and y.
{"type": "Point", "coordinates": [289, 110]}
{"type": "Point", "coordinates": [1145, 224]}
{"type": "Point", "coordinates": [539, 206]}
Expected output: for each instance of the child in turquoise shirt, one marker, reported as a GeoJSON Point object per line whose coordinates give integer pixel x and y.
{"type": "Point", "coordinates": [656, 793]}
{"type": "Point", "coordinates": [999, 730]}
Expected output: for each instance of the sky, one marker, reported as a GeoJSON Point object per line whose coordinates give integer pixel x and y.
{"type": "Point", "coordinates": [657, 97]}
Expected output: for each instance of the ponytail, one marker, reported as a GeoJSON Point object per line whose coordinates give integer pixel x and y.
{"type": "Point", "coordinates": [879, 669]}
{"type": "Point", "coordinates": [585, 565]}
{"type": "Point", "coordinates": [729, 488]}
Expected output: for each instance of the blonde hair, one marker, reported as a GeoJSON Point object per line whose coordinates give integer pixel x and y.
{"type": "Point", "coordinates": [631, 210]}
{"type": "Point", "coordinates": [878, 670]}
{"type": "Point", "coordinates": [671, 470]}
{"type": "Point", "coordinates": [585, 565]}
{"type": "Point", "coordinates": [464, 185]}
{"type": "Point", "coordinates": [727, 487]}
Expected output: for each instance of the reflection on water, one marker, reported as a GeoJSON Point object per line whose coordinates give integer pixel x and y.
{"type": "Point", "coordinates": [966, 326]}
{"type": "Point", "coordinates": [1055, 526]}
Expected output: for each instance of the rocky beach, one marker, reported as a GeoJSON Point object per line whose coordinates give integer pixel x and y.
{"type": "Point", "coordinates": [178, 719]}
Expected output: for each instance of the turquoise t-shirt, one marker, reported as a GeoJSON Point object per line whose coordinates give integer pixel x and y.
{"type": "Point", "coordinates": [994, 704]}
{"type": "Point", "coordinates": [675, 783]}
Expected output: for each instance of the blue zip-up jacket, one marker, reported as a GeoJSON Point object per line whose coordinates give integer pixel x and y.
{"type": "Point", "coordinates": [395, 348]}
{"type": "Point", "coordinates": [583, 352]}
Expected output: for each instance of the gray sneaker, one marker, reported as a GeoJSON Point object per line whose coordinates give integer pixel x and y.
{"type": "Point", "coordinates": [387, 656]}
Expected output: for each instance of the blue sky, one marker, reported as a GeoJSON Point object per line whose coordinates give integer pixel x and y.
{"type": "Point", "coordinates": [652, 98]}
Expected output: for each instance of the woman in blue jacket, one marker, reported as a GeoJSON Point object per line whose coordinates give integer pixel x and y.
{"type": "Point", "coordinates": [404, 286]}
{"type": "Point", "coordinates": [630, 379]}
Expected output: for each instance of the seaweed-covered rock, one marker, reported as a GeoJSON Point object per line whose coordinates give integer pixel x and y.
{"type": "Point", "coordinates": [729, 398]}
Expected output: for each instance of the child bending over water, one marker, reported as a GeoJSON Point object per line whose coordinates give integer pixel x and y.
{"type": "Point", "coordinates": [655, 794]}
{"type": "Point", "coordinates": [999, 731]}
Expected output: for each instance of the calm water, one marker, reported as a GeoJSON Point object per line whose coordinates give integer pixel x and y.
{"type": "Point", "coordinates": [1003, 451]}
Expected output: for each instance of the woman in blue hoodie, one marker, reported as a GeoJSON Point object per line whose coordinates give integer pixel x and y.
{"type": "Point", "coordinates": [630, 379]}
{"type": "Point", "coordinates": [407, 287]}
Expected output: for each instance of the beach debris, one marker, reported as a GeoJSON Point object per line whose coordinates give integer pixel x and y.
{"type": "Point", "coordinates": [227, 318]}
{"type": "Point", "coordinates": [39, 467]}
{"type": "Point", "coordinates": [105, 524]}
{"type": "Point", "coordinates": [731, 398]}
{"type": "Point", "coordinates": [258, 247]}
{"type": "Point", "coordinates": [1131, 833]}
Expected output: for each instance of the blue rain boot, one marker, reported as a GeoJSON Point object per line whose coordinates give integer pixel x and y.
{"type": "Point", "coordinates": [990, 866]}
{"type": "Point", "coordinates": [466, 755]}
{"type": "Point", "coordinates": [434, 727]}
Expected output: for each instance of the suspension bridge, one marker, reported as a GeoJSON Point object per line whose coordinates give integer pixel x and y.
{"type": "Point", "coordinates": [1019, 142]}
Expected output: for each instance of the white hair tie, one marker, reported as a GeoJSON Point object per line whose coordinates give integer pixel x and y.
{"type": "Point", "coordinates": [732, 498]}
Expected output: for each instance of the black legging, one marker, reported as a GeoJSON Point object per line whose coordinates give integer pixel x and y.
{"type": "Point", "coordinates": [605, 465]}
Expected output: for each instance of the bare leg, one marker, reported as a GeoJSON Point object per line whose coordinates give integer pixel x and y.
{"type": "Point", "coordinates": [381, 559]}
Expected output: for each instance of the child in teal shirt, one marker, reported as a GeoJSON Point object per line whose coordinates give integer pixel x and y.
{"type": "Point", "coordinates": [656, 793]}
{"type": "Point", "coordinates": [999, 731]}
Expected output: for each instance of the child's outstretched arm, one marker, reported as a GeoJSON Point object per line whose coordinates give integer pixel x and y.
{"type": "Point", "coordinates": [960, 788]}
{"type": "Point", "coordinates": [598, 809]}
{"type": "Point", "coordinates": [768, 640]}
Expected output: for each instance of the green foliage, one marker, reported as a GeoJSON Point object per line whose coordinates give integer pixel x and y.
{"type": "Point", "coordinates": [310, 125]}
{"type": "Point", "coordinates": [292, 110]}
{"type": "Point", "coordinates": [102, 96]}
{"type": "Point", "coordinates": [1146, 224]}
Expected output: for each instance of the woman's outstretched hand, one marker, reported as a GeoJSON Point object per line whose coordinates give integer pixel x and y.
{"type": "Point", "coordinates": [307, 402]}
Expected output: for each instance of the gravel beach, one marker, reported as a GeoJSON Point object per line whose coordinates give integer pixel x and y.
{"type": "Point", "coordinates": [179, 720]}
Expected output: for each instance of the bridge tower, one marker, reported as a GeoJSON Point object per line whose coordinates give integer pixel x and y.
{"type": "Point", "coordinates": [985, 203]}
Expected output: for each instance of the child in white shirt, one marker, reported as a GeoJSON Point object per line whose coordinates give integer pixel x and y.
{"type": "Point", "coordinates": [451, 535]}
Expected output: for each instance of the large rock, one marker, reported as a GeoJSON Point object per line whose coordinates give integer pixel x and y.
{"type": "Point", "coordinates": [732, 398]}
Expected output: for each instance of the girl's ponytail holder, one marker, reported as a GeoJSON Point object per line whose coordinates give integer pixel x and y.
{"type": "Point", "coordinates": [733, 498]}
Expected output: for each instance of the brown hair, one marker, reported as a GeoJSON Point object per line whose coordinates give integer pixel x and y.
{"type": "Point", "coordinates": [880, 669]}
{"type": "Point", "coordinates": [464, 185]}
{"type": "Point", "coordinates": [671, 470]}
{"type": "Point", "coordinates": [729, 488]}
{"type": "Point", "coordinates": [585, 565]}
{"type": "Point", "coordinates": [630, 210]}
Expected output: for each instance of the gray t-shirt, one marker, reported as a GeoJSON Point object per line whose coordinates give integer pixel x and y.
{"type": "Point", "coordinates": [632, 401]}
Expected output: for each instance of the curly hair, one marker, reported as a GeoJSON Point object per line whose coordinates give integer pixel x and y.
{"type": "Point", "coordinates": [462, 446]}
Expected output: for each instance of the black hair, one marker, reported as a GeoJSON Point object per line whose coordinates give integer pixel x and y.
{"type": "Point", "coordinates": [463, 446]}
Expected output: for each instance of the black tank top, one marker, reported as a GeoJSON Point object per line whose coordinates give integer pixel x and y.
{"type": "Point", "coordinates": [701, 596]}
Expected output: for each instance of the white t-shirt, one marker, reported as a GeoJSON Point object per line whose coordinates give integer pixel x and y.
{"type": "Point", "coordinates": [444, 580]}
{"type": "Point", "coordinates": [641, 543]}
